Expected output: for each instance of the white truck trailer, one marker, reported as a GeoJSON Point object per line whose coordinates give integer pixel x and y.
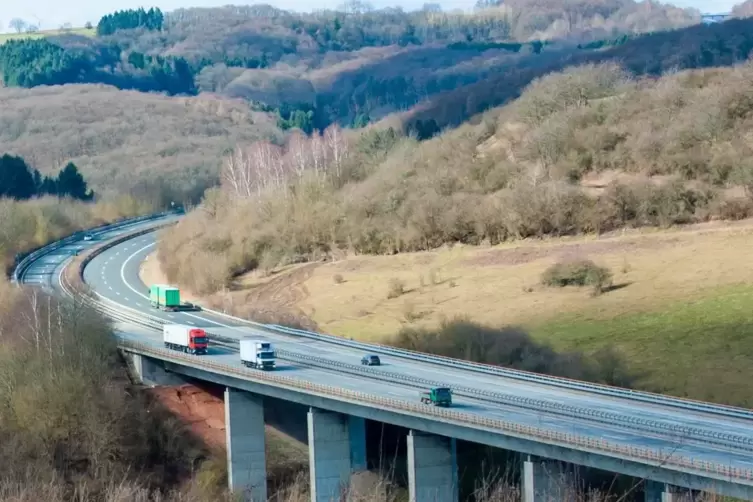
{"type": "Point", "coordinates": [257, 354]}
{"type": "Point", "coordinates": [189, 339]}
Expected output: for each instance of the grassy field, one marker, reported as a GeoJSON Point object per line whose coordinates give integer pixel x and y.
{"type": "Point", "coordinates": [4, 37]}
{"type": "Point", "coordinates": [680, 309]}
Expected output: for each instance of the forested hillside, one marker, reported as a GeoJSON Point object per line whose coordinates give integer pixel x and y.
{"type": "Point", "coordinates": [156, 148]}
{"type": "Point", "coordinates": [348, 67]}
{"type": "Point", "coordinates": [239, 74]}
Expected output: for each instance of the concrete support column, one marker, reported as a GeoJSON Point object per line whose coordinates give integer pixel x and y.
{"type": "Point", "coordinates": [544, 480]}
{"type": "Point", "coordinates": [655, 491]}
{"type": "Point", "coordinates": [152, 372]}
{"type": "Point", "coordinates": [432, 468]}
{"type": "Point", "coordinates": [329, 454]}
{"type": "Point", "coordinates": [357, 432]}
{"type": "Point", "coordinates": [246, 457]}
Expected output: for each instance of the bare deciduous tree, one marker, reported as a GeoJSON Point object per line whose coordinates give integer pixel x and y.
{"type": "Point", "coordinates": [17, 24]}
{"type": "Point", "coordinates": [299, 153]}
{"type": "Point", "coordinates": [249, 171]}
{"type": "Point", "coordinates": [337, 146]}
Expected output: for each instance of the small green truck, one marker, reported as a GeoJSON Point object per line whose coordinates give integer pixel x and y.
{"type": "Point", "coordinates": [438, 396]}
{"type": "Point", "coordinates": [164, 297]}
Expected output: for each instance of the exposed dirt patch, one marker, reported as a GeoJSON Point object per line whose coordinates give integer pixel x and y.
{"type": "Point", "coordinates": [202, 410]}
{"type": "Point", "coordinates": [275, 301]}
{"type": "Point", "coordinates": [285, 290]}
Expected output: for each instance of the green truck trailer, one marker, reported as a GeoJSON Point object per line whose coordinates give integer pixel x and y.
{"type": "Point", "coordinates": [164, 297]}
{"type": "Point", "coordinates": [437, 396]}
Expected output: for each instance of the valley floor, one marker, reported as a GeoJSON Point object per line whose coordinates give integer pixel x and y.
{"type": "Point", "coordinates": [679, 310]}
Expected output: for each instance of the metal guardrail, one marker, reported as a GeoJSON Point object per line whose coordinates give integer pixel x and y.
{"type": "Point", "coordinates": [649, 456]}
{"type": "Point", "coordinates": [539, 405]}
{"type": "Point", "coordinates": [687, 404]}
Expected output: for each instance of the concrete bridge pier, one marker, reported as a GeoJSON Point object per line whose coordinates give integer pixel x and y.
{"type": "Point", "coordinates": [432, 468]}
{"type": "Point", "coordinates": [246, 456]}
{"type": "Point", "coordinates": [545, 480]}
{"type": "Point", "coordinates": [357, 432]}
{"type": "Point", "coordinates": [337, 447]}
{"type": "Point", "coordinates": [655, 491]}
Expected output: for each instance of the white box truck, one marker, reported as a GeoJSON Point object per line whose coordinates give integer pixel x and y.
{"type": "Point", "coordinates": [189, 339]}
{"type": "Point", "coordinates": [257, 354]}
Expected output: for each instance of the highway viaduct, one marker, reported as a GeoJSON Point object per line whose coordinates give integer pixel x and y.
{"type": "Point", "coordinates": [690, 445]}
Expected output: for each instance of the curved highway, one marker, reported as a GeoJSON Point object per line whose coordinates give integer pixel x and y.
{"type": "Point", "coordinates": [45, 272]}
{"type": "Point", "coordinates": [114, 274]}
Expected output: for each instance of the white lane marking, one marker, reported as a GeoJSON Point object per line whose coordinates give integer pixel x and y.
{"type": "Point", "coordinates": [192, 324]}
{"type": "Point", "coordinates": [125, 263]}
{"type": "Point", "coordinates": [125, 281]}
{"type": "Point", "coordinates": [60, 274]}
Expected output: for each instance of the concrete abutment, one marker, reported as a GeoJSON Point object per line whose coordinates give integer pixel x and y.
{"type": "Point", "coordinates": [152, 372]}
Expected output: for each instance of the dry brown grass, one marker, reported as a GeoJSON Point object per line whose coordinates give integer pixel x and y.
{"type": "Point", "coordinates": [501, 285]}
{"type": "Point", "coordinates": [123, 140]}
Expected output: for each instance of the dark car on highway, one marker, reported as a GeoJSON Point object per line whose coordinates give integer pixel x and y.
{"type": "Point", "coordinates": [370, 360]}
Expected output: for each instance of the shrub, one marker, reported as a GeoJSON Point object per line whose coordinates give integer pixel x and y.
{"type": "Point", "coordinates": [514, 348]}
{"type": "Point", "coordinates": [395, 288]}
{"type": "Point", "coordinates": [581, 272]}
{"type": "Point", "coordinates": [71, 418]}
{"type": "Point", "coordinates": [338, 279]}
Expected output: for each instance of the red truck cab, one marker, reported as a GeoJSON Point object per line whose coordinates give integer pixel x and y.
{"type": "Point", "coordinates": [197, 341]}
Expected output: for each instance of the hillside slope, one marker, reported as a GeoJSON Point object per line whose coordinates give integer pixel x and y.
{"type": "Point", "coordinates": [586, 151]}
{"type": "Point", "coordinates": [155, 147]}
